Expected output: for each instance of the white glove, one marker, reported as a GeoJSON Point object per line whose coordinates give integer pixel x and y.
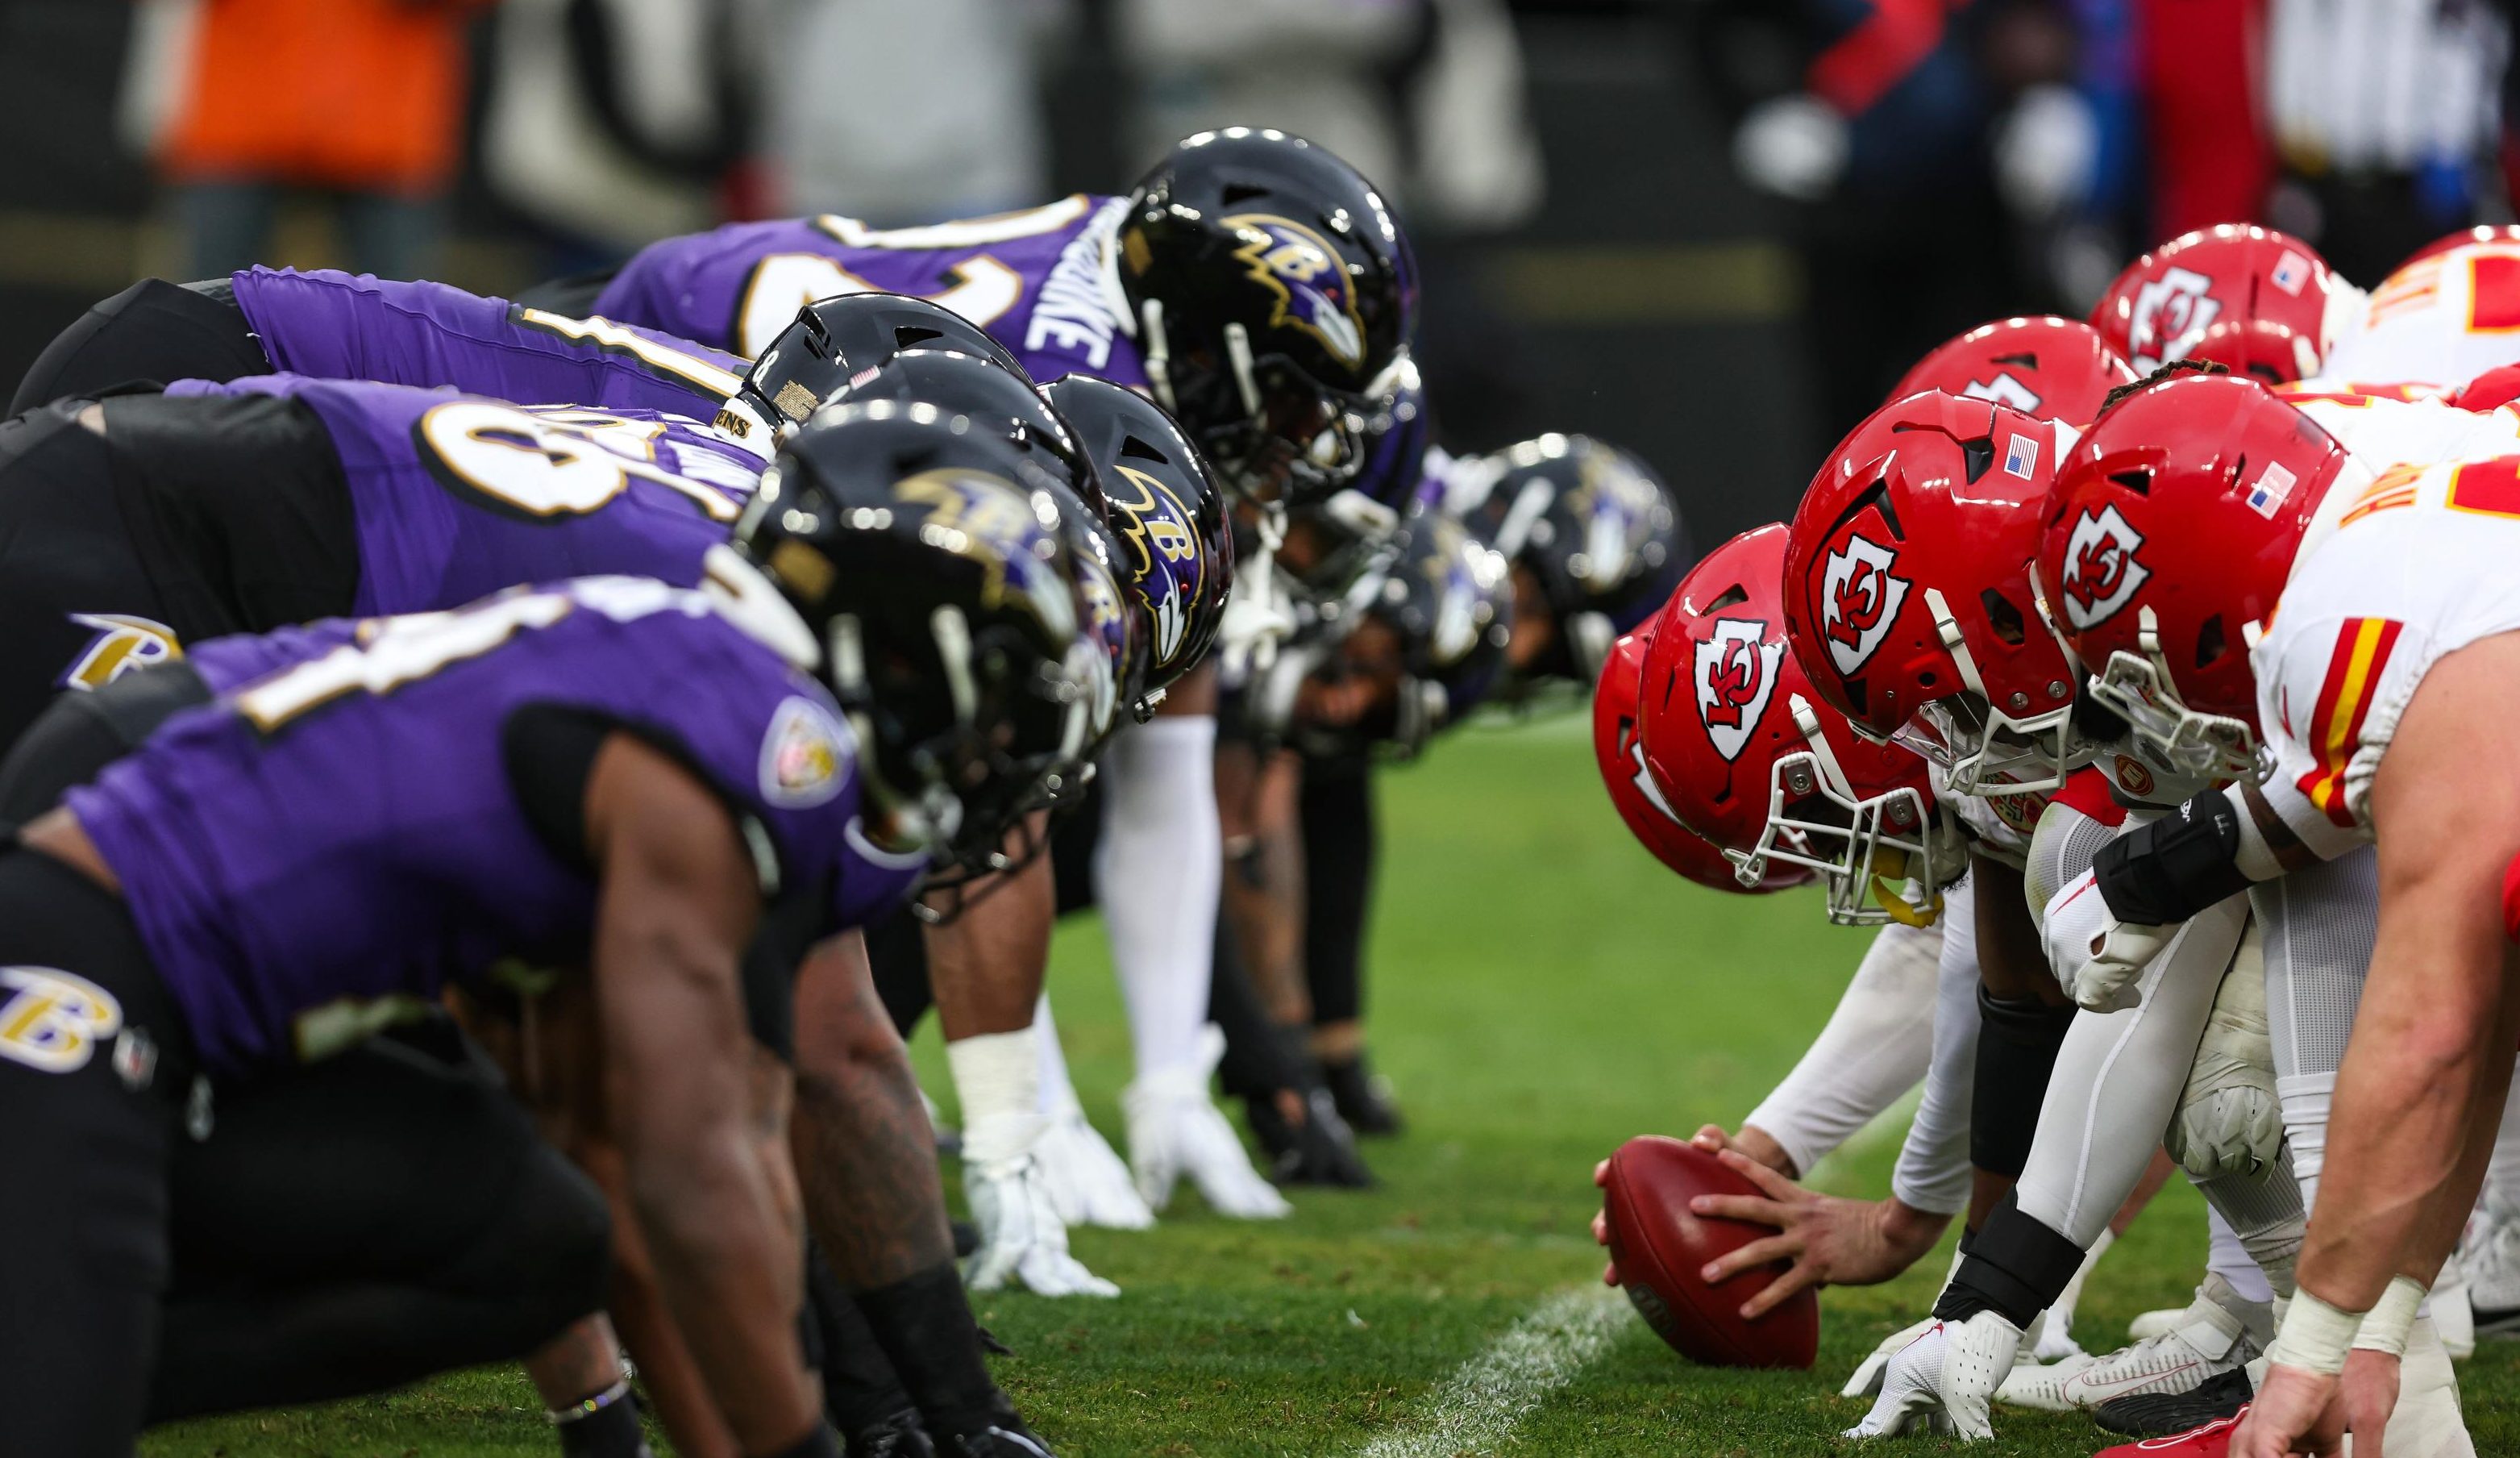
{"type": "Point", "coordinates": [2096, 957]}
{"type": "Point", "coordinates": [1088, 1183]}
{"type": "Point", "coordinates": [1175, 1129]}
{"type": "Point", "coordinates": [1022, 1240]}
{"type": "Point", "coordinates": [2230, 1120]}
{"type": "Point", "coordinates": [1866, 1380]}
{"type": "Point", "coordinates": [1793, 145]}
{"type": "Point", "coordinates": [1944, 1380]}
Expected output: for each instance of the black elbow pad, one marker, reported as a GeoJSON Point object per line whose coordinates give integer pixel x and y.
{"type": "Point", "coordinates": [2165, 871]}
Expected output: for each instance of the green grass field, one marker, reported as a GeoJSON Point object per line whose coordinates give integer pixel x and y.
{"type": "Point", "coordinates": [1542, 991]}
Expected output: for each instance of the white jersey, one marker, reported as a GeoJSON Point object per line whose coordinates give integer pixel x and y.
{"type": "Point", "coordinates": [2002, 823]}
{"type": "Point", "coordinates": [2414, 564]}
{"type": "Point", "coordinates": [2381, 431]}
{"type": "Point", "coordinates": [2441, 321]}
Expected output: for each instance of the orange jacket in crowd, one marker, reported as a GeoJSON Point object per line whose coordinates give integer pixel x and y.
{"type": "Point", "coordinates": [360, 94]}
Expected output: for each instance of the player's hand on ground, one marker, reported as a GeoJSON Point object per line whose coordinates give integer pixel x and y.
{"type": "Point", "coordinates": [1022, 1241]}
{"type": "Point", "coordinates": [1944, 1379]}
{"type": "Point", "coordinates": [1866, 1379]}
{"type": "Point", "coordinates": [1831, 1239]}
{"type": "Point", "coordinates": [2294, 1411]}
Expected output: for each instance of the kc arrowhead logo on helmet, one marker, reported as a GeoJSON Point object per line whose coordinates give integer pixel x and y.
{"type": "Point", "coordinates": [2171, 314]}
{"type": "Point", "coordinates": [1737, 674]}
{"type": "Point", "coordinates": [2100, 572]}
{"type": "Point", "coordinates": [2003, 389]}
{"type": "Point", "coordinates": [1859, 601]}
{"type": "Point", "coordinates": [1301, 268]}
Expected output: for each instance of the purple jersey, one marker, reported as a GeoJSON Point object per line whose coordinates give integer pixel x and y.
{"type": "Point", "coordinates": [339, 326]}
{"type": "Point", "coordinates": [335, 839]}
{"type": "Point", "coordinates": [457, 497]}
{"type": "Point", "coordinates": [1034, 280]}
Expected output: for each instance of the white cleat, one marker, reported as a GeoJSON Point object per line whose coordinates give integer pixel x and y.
{"type": "Point", "coordinates": [1022, 1241]}
{"type": "Point", "coordinates": [1176, 1131]}
{"type": "Point", "coordinates": [2426, 1421]}
{"type": "Point", "coordinates": [2041, 1386]}
{"type": "Point", "coordinates": [2490, 1265]}
{"type": "Point", "coordinates": [2150, 1324]}
{"type": "Point", "coordinates": [1943, 1381]}
{"type": "Point", "coordinates": [1088, 1182]}
{"type": "Point", "coordinates": [2217, 1333]}
{"type": "Point", "coordinates": [1866, 1380]}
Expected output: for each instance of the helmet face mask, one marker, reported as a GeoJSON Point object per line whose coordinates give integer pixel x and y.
{"type": "Point", "coordinates": [2202, 746]}
{"type": "Point", "coordinates": [965, 640]}
{"type": "Point", "coordinates": [1885, 857]}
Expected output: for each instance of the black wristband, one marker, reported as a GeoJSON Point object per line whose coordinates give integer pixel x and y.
{"type": "Point", "coordinates": [2016, 1268]}
{"type": "Point", "coordinates": [822, 1443]}
{"type": "Point", "coordinates": [924, 1324]}
{"type": "Point", "coordinates": [2166, 870]}
{"type": "Point", "coordinates": [2018, 1039]}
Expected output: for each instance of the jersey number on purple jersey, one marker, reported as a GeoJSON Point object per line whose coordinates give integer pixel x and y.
{"type": "Point", "coordinates": [976, 286]}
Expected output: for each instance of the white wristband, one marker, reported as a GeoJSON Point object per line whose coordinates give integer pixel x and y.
{"type": "Point", "coordinates": [2386, 1326]}
{"type": "Point", "coordinates": [2315, 1336]}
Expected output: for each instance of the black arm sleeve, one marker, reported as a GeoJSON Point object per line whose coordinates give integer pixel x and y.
{"type": "Point", "coordinates": [2165, 871]}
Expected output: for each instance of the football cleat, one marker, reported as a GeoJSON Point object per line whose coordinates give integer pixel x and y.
{"type": "Point", "coordinates": [900, 1436]}
{"type": "Point", "coordinates": [2218, 1332]}
{"type": "Point", "coordinates": [2211, 1440]}
{"type": "Point", "coordinates": [1943, 1381]}
{"type": "Point", "coordinates": [2041, 1386]}
{"type": "Point", "coordinates": [1001, 1442]}
{"type": "Point", "coordinates": [1176, 1131]}
{"type": "Point", "coordinates": [1363, 1096]}
{"type": "Point", "coordinates": [2167, 1414]}
{"type": "Point", "coordinates": [1087, 1182]}
{"type": "Point", "coordinates": [2427, 1423]}
{"type": "Point", "coordinates": [2492, 1267]}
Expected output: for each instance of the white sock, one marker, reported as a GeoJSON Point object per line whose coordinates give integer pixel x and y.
{"type": "Point", "coordinates": [998, 1077]}
{"type": "Point", "coordinates": [1057, 1090]}
{"type": "Point", "coordinates": [2230, 1260]}
{"type": "Point", "coordinates": [1158, 871]}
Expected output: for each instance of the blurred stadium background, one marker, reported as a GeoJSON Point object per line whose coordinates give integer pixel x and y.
{"type": "Point", "coordinates": [1713, 229]}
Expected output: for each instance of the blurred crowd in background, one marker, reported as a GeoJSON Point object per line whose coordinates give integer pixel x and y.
{"type": "Point", "coordinates": [1712, 230]}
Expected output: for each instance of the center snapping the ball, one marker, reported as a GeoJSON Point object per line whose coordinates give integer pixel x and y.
{"type": "Point", "coordinates": [1659, 1245]}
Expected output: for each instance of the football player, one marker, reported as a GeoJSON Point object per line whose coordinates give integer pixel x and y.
{"type": "Point", "coordinates": [1258, 288]}
{"type": "Point", "coordinates": [168, 913]}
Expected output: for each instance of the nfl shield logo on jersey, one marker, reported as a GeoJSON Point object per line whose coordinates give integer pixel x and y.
{"type": "Point", "coordinates": [1737, 673]}
{"type": "Point", "coordinates": [1859, 600]}
{"type": "Point", "coordinates": [804, 757]}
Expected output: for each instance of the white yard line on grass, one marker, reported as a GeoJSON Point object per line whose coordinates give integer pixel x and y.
{"type": "Point", "coordinates": [1477, 1407]}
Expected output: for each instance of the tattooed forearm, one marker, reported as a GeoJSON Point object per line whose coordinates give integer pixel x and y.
{"type": "Point", "coordinates": [865, 1152]}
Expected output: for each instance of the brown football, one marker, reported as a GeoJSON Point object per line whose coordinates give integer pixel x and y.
{"type": "Point", "coordinates": [1659, 1246]}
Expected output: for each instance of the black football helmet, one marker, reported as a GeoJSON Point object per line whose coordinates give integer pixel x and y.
{"type": "Point", "coordinates": [1450, 597]}
{"type": "Point", "coordinates": [835, 341]}
{"type": "Point", "coordinates": [1594, 532]}
{"type": "Point", "coordinates": [1164, 507]}
{"type": "Point", "coordinates": [1271, 291]}
{"type": "Point", "coordinates": [986, 397]}
{"type": "Point", "coordinates": [933, 561]}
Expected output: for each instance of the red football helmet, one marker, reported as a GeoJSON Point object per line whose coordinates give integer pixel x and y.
{"type": "Point", "coordinates": [1907, 593]}
{"type": "Point", "coordinates": [2260, 301]}
{"type": "Point", "coordinates": [1639, 801]}
{"type": "Point", "coordinates": [2045, 367]}
{"type": "Point", "coordinates": [2481, 233]}
{"type": "Point", "coordinates": [2169, 535]}
{"type": "Point", "coordinates": [1746, 756]}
